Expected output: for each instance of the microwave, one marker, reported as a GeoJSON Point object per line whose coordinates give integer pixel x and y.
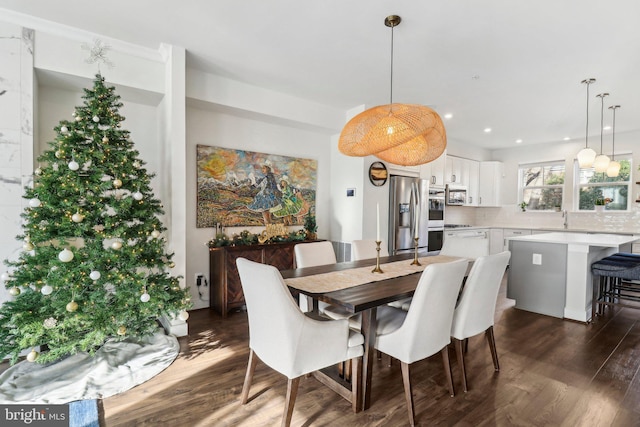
{"type": "Point", "coordinates": [456, 195]}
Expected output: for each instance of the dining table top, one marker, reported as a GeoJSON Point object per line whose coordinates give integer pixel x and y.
{"type": "Point", "coordinates": [356, 299]}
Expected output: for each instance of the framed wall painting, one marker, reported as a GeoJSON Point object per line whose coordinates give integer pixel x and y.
{"type": "Point", "coordinates": [238, 188]}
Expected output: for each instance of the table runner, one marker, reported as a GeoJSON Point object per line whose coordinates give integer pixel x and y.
{"type": "Point", "coordinates": [337, 280]}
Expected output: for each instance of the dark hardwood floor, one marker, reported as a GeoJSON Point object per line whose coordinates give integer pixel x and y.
{"type": "Point", "coordinates": [553, 373]}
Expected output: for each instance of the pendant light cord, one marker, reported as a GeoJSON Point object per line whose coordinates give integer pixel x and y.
{"type": "Point", "coordinates": [391, 74]}
{"type": "Point", "coordinates": [586, 134]}
{"type": "Point", "coordinates": [601, 96]}
{"type": "Point", "coordinates": [613, 136]}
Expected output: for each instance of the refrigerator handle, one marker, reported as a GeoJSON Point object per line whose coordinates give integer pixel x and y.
{"type": "Point", "coordinates": [413, 202]}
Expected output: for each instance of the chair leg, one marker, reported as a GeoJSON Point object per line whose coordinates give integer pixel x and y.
{"type": "Point", "coordinates": [292, 392]}
{"type": "Point", "coordinates": [460, 356]}
{"type": "Point", "coordinates": [406, 379]}
{"type": "Point", "coordinates": [492, 347]}
{"type": "Point", "coordinates": [251, 367]}
{"type": "Point", "coordinates": [447, 369]}
{"type": "Point", "coordinates": [356, 372]}
{"type": "Point", "coordinates": [347, 369]}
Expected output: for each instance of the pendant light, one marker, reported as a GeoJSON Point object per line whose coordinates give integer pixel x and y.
{"type": "Point", "coordinates": [614, 167]}
{"type": "Point", "coordinates": [587, 155]}
{"type": "Point", "coordinates": [601, 161]}
{"type": "Point", "coordinates": [403, 134]}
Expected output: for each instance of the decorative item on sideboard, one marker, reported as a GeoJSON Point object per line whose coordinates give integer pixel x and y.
{"type": "Point", "coordinates": [310, 226]}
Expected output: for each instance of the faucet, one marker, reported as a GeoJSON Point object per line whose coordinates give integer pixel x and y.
{"type": "Point", "coordinates": [565, 215]}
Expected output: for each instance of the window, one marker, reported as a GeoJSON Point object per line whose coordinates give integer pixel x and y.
{"type": "Point", "coordinates": [541, 185]}
{"type": "Point", "coordinates": [592, 186]}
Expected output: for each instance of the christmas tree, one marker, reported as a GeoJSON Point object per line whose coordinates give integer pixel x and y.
{"type": "Point", "coordinates": [94, 265]}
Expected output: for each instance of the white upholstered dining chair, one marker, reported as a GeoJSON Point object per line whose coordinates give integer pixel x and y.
{"type": "Point", "coordinates": [312, 255]}
{"type": "Point", "coordinates": [424, 330]}
{"type": "Point", "coordinates": [366, 249]}
{"type": "Point", "coordinates": [287, 340]}
{"type": "Point", "coordinates": [476, 308]}
{"type": "Point", "coordinates": [465, 248]}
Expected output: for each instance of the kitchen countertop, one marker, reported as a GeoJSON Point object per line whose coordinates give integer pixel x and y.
{"type": "Point", "coordinates": [546, 229]}
{"type": "Point", "coordinates": [577, 238]}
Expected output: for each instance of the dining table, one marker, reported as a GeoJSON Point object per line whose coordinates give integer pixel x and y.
{"type": "Point", "coordinates": [354, 288]}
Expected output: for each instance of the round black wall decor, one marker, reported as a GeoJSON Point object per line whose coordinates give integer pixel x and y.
{"type": "Point", "coordinates": [378, 174]}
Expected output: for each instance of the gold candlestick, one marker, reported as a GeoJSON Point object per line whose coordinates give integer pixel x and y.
{"type": "Point", "coordinates": [377, 269]}
{"type": "Point", "coordinates": [415, 257]}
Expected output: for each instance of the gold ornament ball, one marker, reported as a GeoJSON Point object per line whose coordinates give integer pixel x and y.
{"type": "Point", "coordinates": [155, 234]}
{"type": "Point", "coordinates": [59, 153]}
{"type": "Point", "coordinates": [116, 245]}
{"type": "Point", "coordinates": [72, 306]}
{"type": "Point", "coordinates": [122, 330]}
{"type": "Point", "coordinates": [172, 264]}
{"type": "Point", "coordinates": [32, 356]}
{"type": "Point", "coordinates": [117, 183]}
{"type": "Point", "coordinates": [77, 217]}
{"type": "Point", "coordinates": [15, 291]}
{"type": "Point", "coordinates": [184, 315]}
{"type": "Point", "coordinates": [105, 139]}
{"type": "Point", "coordinates": [28, 246]}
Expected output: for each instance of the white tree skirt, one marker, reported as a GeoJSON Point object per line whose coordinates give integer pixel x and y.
{"type": "Point", "coordinates": [116, 367]}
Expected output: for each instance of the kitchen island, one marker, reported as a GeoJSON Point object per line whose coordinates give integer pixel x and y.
{"type": "Point", "coordinates": [550, 273]}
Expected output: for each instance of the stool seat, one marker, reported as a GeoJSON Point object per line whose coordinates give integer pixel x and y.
{"type": "Point", "coordinates": [615, 280]}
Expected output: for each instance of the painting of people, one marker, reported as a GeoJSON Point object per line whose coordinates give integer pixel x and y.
{"type": "Point", "coordinates": [243, 188]}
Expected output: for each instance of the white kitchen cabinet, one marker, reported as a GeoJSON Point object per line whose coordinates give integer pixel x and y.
{"type": "Point", "coordinates": [454, 170]}
{"type": "Point", "coordinates": [496, 241]}
{"type": "Point", "coordinates": [513, 232]}
{"type": "Point", "coordinates": [472, 177]}
{"type": "Point", "coordinates": [490, 183]}
{"type": "Point", "coordinates": [434, 171]}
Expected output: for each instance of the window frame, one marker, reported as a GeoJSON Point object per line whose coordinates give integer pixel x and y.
{"type": "Point", "coordinates": [577, 185]}
{"type": "Point", "coordinates": [521, 187]}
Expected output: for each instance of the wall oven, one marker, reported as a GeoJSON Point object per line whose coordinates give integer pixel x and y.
{"type": "Point", "coordinates": [435, 223]}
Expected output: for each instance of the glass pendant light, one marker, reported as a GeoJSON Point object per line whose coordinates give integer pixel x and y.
{"type": "Point", "coordinates": [601, 161]}
{"type": "Point", "coordinates": [587, 155]}
{"type": "Point", "coordinates": [614, 167]}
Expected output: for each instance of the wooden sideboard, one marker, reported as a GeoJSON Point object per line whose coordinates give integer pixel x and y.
{"type": "Point", "coordinates": [225, 288]}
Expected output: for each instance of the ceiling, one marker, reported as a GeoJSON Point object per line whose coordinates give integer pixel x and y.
{"type": "Point", "coordinates": [514, 66]}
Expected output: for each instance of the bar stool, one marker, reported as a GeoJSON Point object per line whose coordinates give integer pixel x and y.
{"type": "Point", "coordinates": [615, 280]}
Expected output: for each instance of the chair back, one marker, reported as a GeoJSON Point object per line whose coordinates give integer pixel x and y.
{"type": "Point", "coordinates": [275, 321]}
{"type": "Point", "coordinates": [467, 248]}
{"type": "Point", "coordinates": [366, 249]}
{"type": "Point", "coordinates": [477, 305]}
{"type": "Point", "coordinates": [427, 326]}
{"type": "Point", "coordinates": [314, 254]}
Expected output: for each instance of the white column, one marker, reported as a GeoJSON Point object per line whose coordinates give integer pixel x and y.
{"type": "Point", "coordinates": [16, 135]}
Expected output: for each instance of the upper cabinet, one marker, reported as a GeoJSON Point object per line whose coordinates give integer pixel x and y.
{"type": "Point", "coordinates": [473, 180]}
{"type": "Point", "coordinates": [434, 171]}
{"type": "Point", "coordinates": [464, 173]}
{"type": "Point", "coordinates": [490, 183]}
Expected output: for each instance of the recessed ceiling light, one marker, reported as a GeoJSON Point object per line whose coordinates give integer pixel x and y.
{"type": "Point", "coordinates": [518, 141]}
{"type": "Point", "coordinates": [487, 130]}
{"type": "Point", "coordinates": [566, 138]}
{"type": "Point", "coordinates": [448, 116]}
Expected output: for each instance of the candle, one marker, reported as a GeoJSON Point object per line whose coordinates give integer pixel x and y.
{"type": "Point", "coordinates": [417, 221]}
{"type": "Point", "coordinates": [377, 222]}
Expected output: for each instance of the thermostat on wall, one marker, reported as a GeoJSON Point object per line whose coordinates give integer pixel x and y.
{"type": "Point", "coordinates": [351, 192]}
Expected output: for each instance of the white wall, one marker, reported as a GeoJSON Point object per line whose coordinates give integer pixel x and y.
{"type": "Point", "coordinates": [221, 129]}
{"type": "Point", "coordinates": [511, 216]}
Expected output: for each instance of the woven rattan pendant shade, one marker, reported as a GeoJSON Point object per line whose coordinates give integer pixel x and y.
{"type": "Point", "coordinates": [403, 134]}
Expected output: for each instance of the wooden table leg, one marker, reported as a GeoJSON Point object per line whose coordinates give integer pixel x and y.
{"type": "Point", "coordinates": [369, 326]}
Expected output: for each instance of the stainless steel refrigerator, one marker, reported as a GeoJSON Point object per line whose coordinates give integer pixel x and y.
{"type": "Point", "coordinates": [408, 206]}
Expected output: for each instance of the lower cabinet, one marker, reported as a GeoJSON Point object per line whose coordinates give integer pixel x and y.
{"type": "Point", "coordinates": [225, 288]}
